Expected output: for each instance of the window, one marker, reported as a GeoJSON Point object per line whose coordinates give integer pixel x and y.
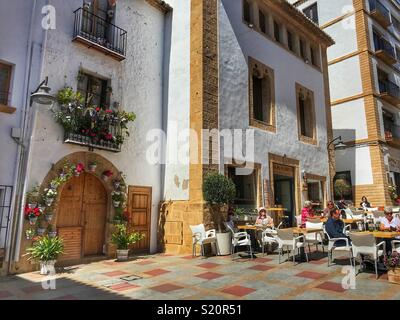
{"type": "Point", "coordinates": [306, 114]}
{"type": "Point", "coordinates": [247, 11]}
{"type": "Point", "coordinates": [303, 49]}
{"type": "Point", "coordinates": [262, 108]}
{"type": "Point", "coordinates": [396, 24]}
{"type": "Point", "coordinates": [5, 80]}
{"type": "Point", "coordinates": [246, 188]}
{"type": "Point", "coordinates": [277, 31]}
{"type": "Point", "coordinates": [312, 12]}
{"type": "Point", "coordinates": [290, 41]}
{"type": "Point", "coordinates": [262, 22]}
{"type": "Point", "coordinates": [315, 190]}
{"type": "Point", "coordinates": [94, 90]}
{"type": "Point", "coordinates": [314, 56]}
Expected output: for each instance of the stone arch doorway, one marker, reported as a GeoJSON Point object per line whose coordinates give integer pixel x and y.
{"type": "Point", "coordinates": [82, 216]}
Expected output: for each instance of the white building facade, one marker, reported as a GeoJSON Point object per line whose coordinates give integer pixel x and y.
{"type": "Point", "coordinates": [364, 82]}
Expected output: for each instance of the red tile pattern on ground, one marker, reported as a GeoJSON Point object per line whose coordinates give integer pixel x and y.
{"type": "Point", "coordinates": [144, 262]}
{"type": "Point", "coordinates": [156, 272]}
{"type": "Point", "coordinates": [115, 273]}
{"type": "Point", "coordinates": [331, 286]}
{"type": "Point", "coordinates": [261, 267]}
{"type": "Point", "coordinates": [167, 287]}
{"type": "Point", "coordinates": [209, 275]}
{"type": "Point", "coordinates": [208, 265]}
{"type": "Point", "coordinates": [311, 275]}
{"type": "Point", "coordinates": [123, 286]}
{"type": "Point", "coordinates": [238, 291]}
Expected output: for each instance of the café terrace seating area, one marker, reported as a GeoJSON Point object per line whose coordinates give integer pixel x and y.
{"type": "Point", "coordinates": [364, 248]}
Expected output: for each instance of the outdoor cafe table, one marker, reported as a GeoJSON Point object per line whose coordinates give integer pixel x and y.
{"type": "Point", "coordinates": [382, 234]}
{"type": "Point", "coordinates": [346, 221]}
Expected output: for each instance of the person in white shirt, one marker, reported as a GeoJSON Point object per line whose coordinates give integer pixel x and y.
{"type": "Point", "coordinates": [388, 222]}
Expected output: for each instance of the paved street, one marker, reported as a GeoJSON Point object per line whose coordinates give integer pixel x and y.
{"type": "Point", "coordinates": [171, 277]}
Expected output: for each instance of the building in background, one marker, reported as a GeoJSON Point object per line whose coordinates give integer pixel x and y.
{"type": "Point", "coordinates": [364, 81]}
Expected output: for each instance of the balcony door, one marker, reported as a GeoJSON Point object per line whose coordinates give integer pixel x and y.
{"type": "Point", "coordinates": [95, 20]}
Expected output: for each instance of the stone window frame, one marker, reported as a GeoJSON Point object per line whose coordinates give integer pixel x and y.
{"type": "Point", "coordinates": [268, 72]}
{"type": "Point", "coordinates": [301, 90]}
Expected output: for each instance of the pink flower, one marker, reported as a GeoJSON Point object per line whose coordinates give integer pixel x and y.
{"type": "Point", "coordinates": [108, 136]}
{"type": "Point", "coordinates": [80, 167]}
{"type": "Point", "coordinates": [97, 109]}
{"type": "Point", "coordinates": [109, 111]}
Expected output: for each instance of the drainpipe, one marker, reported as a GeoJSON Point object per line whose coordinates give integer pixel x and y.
{"type": "Point", "coordinates": [28, 123]}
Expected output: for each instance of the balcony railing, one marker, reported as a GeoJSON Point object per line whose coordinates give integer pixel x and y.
{"type": "Point", "coordinates": [97, 32]}
{"type": "Point", "coordinates": [80, 138]}
{"type": "Point", "coordinates": [389, 91]}
{"type": "Point", "coordinates": [380, 12]}
{"type": "Point", "coordinates": [384, 50]}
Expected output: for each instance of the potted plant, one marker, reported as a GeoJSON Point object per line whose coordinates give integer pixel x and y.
{"type": "Point", "coordinates": [118, 198]}
{"type": "Point", "coordinates": [392, 263]}
{"type": "Point", "coordinates": [46, 250]}
{"type": "Point", "coordinates": [49, 216]}
{"type": "Point", "coordinates": [51, 231]}
{"type": "Point", "coordinates": [49, 196]}
{"type": "Point", "coordinates": [117, 184]}
{"type": "Point", "coordinates": [29, 234]}
{"type": "Point", "coordinates": [32, 197]}
{"type": "Point", "coordinates": [123, 239]}
{"type": "Point", "coordinates": [92, 166]}
{"type": "Point", "coordinates": [106, 175]}
{"type": "Point", "coordinates": [78, 169]}
{"type": "Point", "coordinates": [41, 229]}
{"type": "Point", "coordinates": [32, 215]}
{"type": "Point", "coordinates": [219, 191]}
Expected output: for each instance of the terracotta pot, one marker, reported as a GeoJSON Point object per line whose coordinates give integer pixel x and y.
{"type": "Point", "coordinates": [394, 276]}
{"type": "Point", "coordinates": [122, 255]}
{"type": "Point", "coordinates": [47, 267]}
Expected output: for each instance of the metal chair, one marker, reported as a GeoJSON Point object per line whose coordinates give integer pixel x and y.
{"type": "Point", "coordinates": [364, 244]}
{"type": "Point", "coordinates": [333, 248]}
{"type": "Point", "coordinates": [347, 229]}
{"type": "Point", "coordinates": [268, 238]}
{"type": "Point", "coordinates": [239, 239]}
{"type": "Point", "coordinates": [286, 239]}
{"type": "Point", "coordinates": [202, 237]}
{"type": "Point", "coordinates": [396, 246]}
{"type": "Point", "coordinates": [315, 238]}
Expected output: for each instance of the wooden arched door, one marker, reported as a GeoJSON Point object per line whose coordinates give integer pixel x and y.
{"type": "Point", "coordinates": [81, 217]}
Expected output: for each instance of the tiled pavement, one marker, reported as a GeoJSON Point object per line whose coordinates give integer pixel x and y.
{"type": "Point", "coordinates": [170, 277]}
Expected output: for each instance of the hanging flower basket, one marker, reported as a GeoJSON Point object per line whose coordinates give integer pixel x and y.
{"type": "Point", "coordinates": [32, 205]}
{"type": "Point", "coordinates": [48, 217]}
{"type": "Point", "coordinates": [116, 204]}
{"type": "Point", "coordinates": [40, 231]}
{"type": "Point", "coordinates": [52, 234]}
{"type": "Point", "coordinates": [106, 175]}
{"type": "Point", "coordinates": [32, 220]}
{"type": "Point", "coordinates": [92, 167]}
{"type": "Point", "coordinates": [49, 201]}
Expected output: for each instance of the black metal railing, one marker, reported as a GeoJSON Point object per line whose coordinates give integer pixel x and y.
{"type": "Point", "coordinates": [99, 31]}
{"type": "Point", "coordinates": [384, 45]}
{"type": "Point", "coordinates": [96, 142]}
{"type": "Point", "coordinates": [5, 213]}
{"type": "Point", "coordinates": [376, 5]}
{"type": "Point", "coordinates": [390, 88]}
{"type": "Point", "coordinates": [4, 97]}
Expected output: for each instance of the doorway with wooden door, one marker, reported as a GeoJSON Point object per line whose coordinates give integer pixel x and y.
{"type": "Point", "coordinates": [139, 209]}
{"type": "Point", "coordinates": [81, 217]}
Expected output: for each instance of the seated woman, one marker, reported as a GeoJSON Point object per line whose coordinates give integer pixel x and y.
{"type": "Point", "coordinates": [264, 219]}
{"type": "Point", "coordinates": [389, 223]}
{"type": "Point", "coordinates": [329, 209]}
{"type": "Point", "coordinates": [364, 203]}
{"type": "Point", "coordinates": [307, 213]}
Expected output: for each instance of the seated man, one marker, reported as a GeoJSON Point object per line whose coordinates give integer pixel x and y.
{"type": "Point", "coordinates": [334, 227]}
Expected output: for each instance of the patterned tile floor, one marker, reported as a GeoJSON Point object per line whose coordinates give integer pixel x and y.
{"type": "Point", "coordinates": [174, 277]}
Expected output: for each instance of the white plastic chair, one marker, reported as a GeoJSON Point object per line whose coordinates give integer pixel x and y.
{"type": "Point", "coordinates": [315, 238]}
{"type": "Point", "coordinates": [239, 239]}
{"type": "Point", "coordinates": [332, 248]}
{"type": "Point", "coordinates": [347, 229]}
{"type": "Point", "coordinates": [268, 238]}
{"type": "Point", "coordinates": [396, 246]}
{"type": "Point", "coordinates": [364, 244]}
{"type": "Point", "coordinates": [287, 240]}
{"type": "Point", "coordinates": [202, 237]}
